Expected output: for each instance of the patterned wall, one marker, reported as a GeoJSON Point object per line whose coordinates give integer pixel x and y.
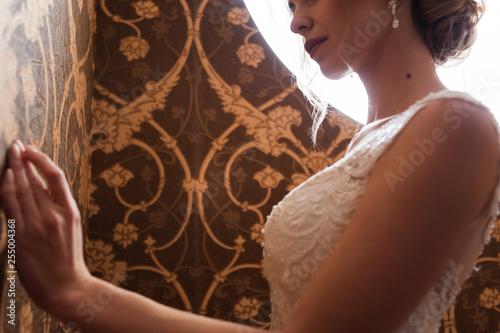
{"type": "Point", "coordinates": [196, 134]}
{"type": "Point", "coordinates": [199, 135]}
{"type": "Point", "coordinates": [46, 76]}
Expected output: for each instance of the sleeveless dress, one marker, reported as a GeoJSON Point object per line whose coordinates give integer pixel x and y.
{"type": "Point", "coordinates": [305, 227]}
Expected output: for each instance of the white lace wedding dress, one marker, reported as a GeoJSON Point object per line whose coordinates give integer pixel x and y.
{"type": "Point", "coordinates": [305, 227]}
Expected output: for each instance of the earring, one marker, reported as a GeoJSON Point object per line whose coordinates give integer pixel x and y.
{"type": "Point", "coordinates": [393, 6]}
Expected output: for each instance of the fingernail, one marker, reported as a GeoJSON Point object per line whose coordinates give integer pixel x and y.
{"type": "Point", "coordinates": [16, 150]}
{"type": "Point", "coordinates": [33, 149]}
{"type": "Point", "coordinates": [21, 145]}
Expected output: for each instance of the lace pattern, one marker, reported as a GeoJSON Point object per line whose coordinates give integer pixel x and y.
{"type": "Point", "coordinates": [306, 226]}
{"type": "Point", "coordinates": [437, 301]}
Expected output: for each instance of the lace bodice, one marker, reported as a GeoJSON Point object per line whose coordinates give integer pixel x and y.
{"type": "Point", "coordinates": [305, 227]}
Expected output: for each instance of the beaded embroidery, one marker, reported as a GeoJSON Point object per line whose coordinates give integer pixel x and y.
{"type": "Point", "coordinates": [305, 227]}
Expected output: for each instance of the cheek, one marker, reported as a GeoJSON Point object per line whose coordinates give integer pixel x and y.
{"type": "Point", "coordinates": [366, 33]}
{"type": "Point", "coordinates": [350, 35]}
{"type": "Point", "coordinates": [340, 36]}
{"type": "Point", "coordinates": [336, 20]}
{"type": "Point", "coordinates": [366, 16]}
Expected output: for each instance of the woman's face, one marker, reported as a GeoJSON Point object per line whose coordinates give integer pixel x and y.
{"type": "Point", "coordinates": [332, 39]}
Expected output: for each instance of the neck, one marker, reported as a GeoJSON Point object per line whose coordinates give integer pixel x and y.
{"type": "Point", "coordinates": [398, 75]}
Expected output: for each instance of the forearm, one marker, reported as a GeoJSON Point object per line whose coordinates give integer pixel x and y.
{"type": "Point", "coordinates": [102, 307]}
{"type": "Point", "coordinates": [53, 271]}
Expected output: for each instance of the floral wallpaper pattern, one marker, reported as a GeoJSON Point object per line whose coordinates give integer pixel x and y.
{"type": "Point", "coordinates": [199, 132]}
{"type": "Point", "coordinates": [195, 132]}
{"type": "Point", "coordinates": [46, 49]}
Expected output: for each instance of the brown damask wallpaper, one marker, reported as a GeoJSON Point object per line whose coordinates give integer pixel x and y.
{"type": "Point", "coordinates": [196, 132]}
{"type": "Point", "coordinates": [199, 133]}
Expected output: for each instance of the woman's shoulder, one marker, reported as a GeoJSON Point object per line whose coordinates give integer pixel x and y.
{"type": "Point", "coordinates": [450, 142]}
{"type": "Point", "coordinates": [460, 128]}
{"type": "Point", "coordinates": [458, 117]}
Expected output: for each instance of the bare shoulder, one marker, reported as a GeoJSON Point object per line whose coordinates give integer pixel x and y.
{"type": "Point", "coordinates": [460, 121]}
{"type": "Point", "coordinates": [450, 148]}
{"type": "Point", "coordinates": [465, 135]}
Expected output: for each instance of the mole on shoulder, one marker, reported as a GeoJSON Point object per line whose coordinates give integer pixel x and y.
{"type": "Point", "coordinates": [408, 76]}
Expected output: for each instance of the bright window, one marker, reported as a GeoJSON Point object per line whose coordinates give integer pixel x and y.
{"type": "Point", "coordinates": [479, 75]}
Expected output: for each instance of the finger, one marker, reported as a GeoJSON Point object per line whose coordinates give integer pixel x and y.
{"type": "Point", "coordinates": [9, 200]}
{"type": "Point", "coordinates": [21, 145]}
{"type": "Point", "coordinates": [23, 190]}
{"type": "Point", "coordinates": [39, 187]}
{"type": "Point", "coordinates": [56, 179]}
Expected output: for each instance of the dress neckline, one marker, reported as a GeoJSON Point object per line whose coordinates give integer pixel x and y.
{"type": "Point", "coordinates": [430, 96]}
{"type": "Point", "coordinates": [376, 124]}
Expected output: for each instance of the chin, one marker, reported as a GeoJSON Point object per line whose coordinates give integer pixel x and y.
{"type": "Point", "coordinates": [336, 73]}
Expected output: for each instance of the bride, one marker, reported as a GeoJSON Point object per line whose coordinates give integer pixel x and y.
{"type": "Point", "coordinates": [378, 242]}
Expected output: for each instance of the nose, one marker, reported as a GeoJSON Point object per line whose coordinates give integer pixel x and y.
{"type": "Point", "coordinates": [301, 24]}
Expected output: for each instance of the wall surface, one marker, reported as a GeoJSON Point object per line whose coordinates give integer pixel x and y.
{"type": "Point", "coordinates": [46, 75]}
{"type": "Point", "coordinates": [200, 134]}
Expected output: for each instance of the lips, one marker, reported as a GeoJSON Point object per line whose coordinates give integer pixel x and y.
{"type": "Point", "coordinates": [311, 44]}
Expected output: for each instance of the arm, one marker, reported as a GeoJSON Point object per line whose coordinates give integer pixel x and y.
{"type": "Point", "coordinates": [400, 237]}
{"type": "Point", "coordinates": [50, 262]}
{"type": "Point", "coordinates": [102, 307]}
{"type": "Point", "coordinates": [406, 235]}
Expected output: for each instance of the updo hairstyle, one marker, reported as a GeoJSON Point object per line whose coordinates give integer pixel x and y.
{"type": "Point", "coordinates": [447, 27]}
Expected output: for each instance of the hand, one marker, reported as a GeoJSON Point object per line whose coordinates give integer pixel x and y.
{"type": "Point", "coordinates": [49, 245]}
